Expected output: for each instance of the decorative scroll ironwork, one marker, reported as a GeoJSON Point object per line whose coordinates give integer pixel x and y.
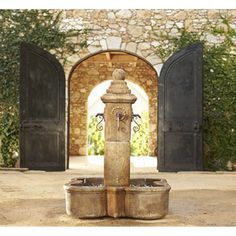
{"type": "Point", "coordinates": [99, 125]}
{"type": "Point", "coordinates": [135, 117]}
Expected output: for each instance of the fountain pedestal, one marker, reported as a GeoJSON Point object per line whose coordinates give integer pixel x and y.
{"type": "Point", "coordinates": [118, 115]}
{"type": "Point", "coordinates": [117, 195]}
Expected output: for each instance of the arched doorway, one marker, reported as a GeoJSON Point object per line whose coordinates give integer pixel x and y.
{"type": "Point", "coordinates": [95, 137]}
{"type": "Point", "coordinates": [179, 110]}
{"type": "Point", "coordinates": [93, 70]}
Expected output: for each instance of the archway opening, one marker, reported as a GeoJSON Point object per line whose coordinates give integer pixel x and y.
{"type": "Point", "coordinates": [139, 131]}
{"type": "Point", "coordinates": [92, 71]}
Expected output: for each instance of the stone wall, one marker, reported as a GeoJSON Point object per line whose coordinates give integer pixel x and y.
{"type": "Point", "coordinates": [134, 31]}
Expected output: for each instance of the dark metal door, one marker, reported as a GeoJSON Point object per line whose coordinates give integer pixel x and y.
{"type": "Point", "coordinates": [42, 110]}
{"type": "Point", "coordinates": [180, 111]}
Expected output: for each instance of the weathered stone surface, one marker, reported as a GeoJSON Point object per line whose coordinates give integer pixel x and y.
{"type": "Point", "coordinates": [154, 59]}
{"type": "Point", "coordinates": [117, 114]}
{"type": "Point", "coordinates": [159, 16]}
{"type": "Point", "coordinates": [124, 14]}
{"type": "Point", "coordinates": [155, 205]}
{"type": "Point", "coordinates": [148, 27]}
{"type": "Point", "coordinates": [213, 13]}
{"type": "Point", "coordinates": [132, 22]}
{"type": "Point", "coordinates": [153, 22]}
{"type": "Point", "coordinates": [73, 58]}
{"type": "Point", "coordinates": [152, 127]}
{"type": "Point", "coordinates": [101, 14]}
{"type": "Point", "coordinates": [111, 15]}
{"type": "Point", "coordinates": [233, 13]}
{"type": "Point", "coordinates": [93, 49]}
{"type": "Point", "coordinates": [79, 13]}
{"type": "Point", "coordinates": [135, 30]}
{"type": "Point", "coordinates": [149, 82]}
{"type": "Point", "coordinates": [103, 44]}
{"type": "Point", "coordinates": [118, 74]}
{"type": "Point", "coordinates": [114, 42]}
{"type": "Point", "coordinates": [144, 14]}
{"type": "Point", "coordinates": [211, 38]}
{"type": "Point", "coordinates": [174, 31]}
{"type": "Point", "coordinates": [115, 201]}
{"type": "Point", "coordinates": [123, 46]}
{"type": "Point", "coordinates": [79, 199]}
{"type": "Point", "coordinates": [169, 24]}
{"type": "Point", "coordinates": [155, 43]}
{"type": "Point", "coordinates": [143, 46]}
{"type": "Point", "coordinates": [181, 15]}
{"type": "Point", "coordinates": [93, 71]}
{"type": "Point", "coordinates": [131, 47]}
{"type": "Point", "coordinates": [83, 90]}
{"type": "Point", "coordinates": [188, 24]}
{"type": "Point", "coordinates": [117, 164]}
{"type": "Point", "coordinates": [180, 24]}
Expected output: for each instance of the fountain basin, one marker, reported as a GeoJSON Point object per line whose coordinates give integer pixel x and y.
{"type": "Point", "coordinates": [86, 198]}
{"type": "Point", "coordinates": [147, 199]}
{"type": "Point", "coordinates": [143, 199]}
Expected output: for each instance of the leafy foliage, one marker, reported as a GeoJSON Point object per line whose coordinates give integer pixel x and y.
{"type": "Point", "coordinates": [40, 27]}
{"type": "Point", "coordinates": [9, 133]}
{"type": "Point", "coordinates": [219, 73]}
{"type": "Point", "coordinates": [139, 140]}
{"type": "Point", "coordinates": [96, 138]}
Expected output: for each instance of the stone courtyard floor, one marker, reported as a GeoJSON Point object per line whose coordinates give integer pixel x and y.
{"type": "Point", "coordinates": [36, 198]}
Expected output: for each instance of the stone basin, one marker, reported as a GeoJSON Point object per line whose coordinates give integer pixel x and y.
{"type": "Point", "coordinates": [147, 199]}
{"type": "Point", "coordinates": [86, 198]}
{"type": "Point", "coordinates": [143, 199]}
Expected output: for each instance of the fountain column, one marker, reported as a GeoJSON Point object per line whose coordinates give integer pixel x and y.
{"type": "Point", "coordinates": [117, 114]}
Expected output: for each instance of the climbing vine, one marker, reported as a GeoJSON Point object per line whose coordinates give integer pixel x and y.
{"type": "Point", "coordinates": [219, 74]}
{"type": "Point", "coordinates": [40, 27]}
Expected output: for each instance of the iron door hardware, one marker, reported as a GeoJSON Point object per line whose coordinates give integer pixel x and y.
{"type": "Point", "coordinates": [196, 126]}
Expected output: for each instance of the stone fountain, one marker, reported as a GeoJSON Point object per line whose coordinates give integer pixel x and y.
{"type": "Point", "coordinates": [117, 195]}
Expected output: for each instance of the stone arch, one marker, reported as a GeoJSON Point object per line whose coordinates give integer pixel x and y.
{"type": "Point", "coordinates": [152, 59]}
{"type": "Point", "coordinates": [79, 88]}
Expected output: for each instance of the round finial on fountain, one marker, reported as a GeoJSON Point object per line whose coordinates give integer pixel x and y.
{"type": "Point", "coordinates": [118, 74]}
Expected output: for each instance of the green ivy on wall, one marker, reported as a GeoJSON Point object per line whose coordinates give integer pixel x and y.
{"type": "Point", "coordinates": [219, 78]}
{"type": "Point", "coordinates": [40, 27]}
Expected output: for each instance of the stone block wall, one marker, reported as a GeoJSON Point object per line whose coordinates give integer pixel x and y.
{"type": "Point", "coordinates": [136, 30]}
{"type": "Point", "coordinates": [133, 31]}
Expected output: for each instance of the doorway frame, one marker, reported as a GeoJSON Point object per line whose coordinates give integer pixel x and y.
{"type": "Point", "coordinates": [67, 157]}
